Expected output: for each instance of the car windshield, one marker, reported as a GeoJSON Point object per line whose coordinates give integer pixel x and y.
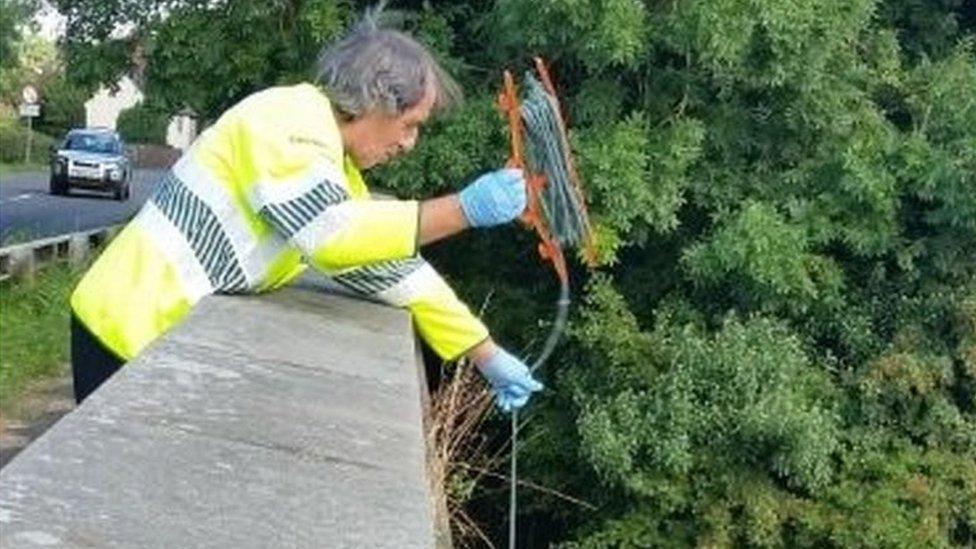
{"type": "Point", "coordinates": [100, 143]}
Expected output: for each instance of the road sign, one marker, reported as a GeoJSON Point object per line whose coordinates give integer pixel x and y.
{"type": "Point", "coordinates": [29, 94]}
{"type": "Point", "coordinates": [30, 110]}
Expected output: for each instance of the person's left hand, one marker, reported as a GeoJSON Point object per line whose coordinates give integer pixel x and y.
{"type": "Point", "coordinates": [511, 381]}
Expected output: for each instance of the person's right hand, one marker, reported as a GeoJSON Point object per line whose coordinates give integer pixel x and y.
{"type": "Point", "coordinates": [494, 198]}
{"type": "Point", "coordinates": [511, 381]}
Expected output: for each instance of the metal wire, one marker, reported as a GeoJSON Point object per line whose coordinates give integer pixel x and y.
{"type": "Point", "coordinates": [547, 153]}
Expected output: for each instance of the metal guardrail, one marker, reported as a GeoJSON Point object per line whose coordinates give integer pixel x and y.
{"type": "Point", "coordinates": [23, 260]}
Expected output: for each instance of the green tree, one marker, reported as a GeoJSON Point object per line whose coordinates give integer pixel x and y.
{"type": "Point", "coordinates": [25, 57]}
{"type": "Point", "coordinates": [62, 106]}
{"type": "Point", "coordinates": [143, 123]}
{"type": "Point", "coordinates": [39, 64]}
{"type": "Point", "coordinates": [14, 17]}
{"type": "Point", "coordinates": [204, 56]}
{"type": "Point", "coordinates": [784, 192]}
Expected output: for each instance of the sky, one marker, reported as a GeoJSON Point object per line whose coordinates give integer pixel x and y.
{"type": "Point", "coordinates": [50, 23]}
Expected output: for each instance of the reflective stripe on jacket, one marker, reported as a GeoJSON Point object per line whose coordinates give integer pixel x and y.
{"type": "Point", "coordinates": [262, 192]}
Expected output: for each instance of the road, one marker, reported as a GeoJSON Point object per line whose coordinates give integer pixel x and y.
{"type": "Point", "coordinates": [28, 211]}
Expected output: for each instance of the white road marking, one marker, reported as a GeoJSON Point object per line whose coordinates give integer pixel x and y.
{"type": "Point", "coordinates": [17, 198]}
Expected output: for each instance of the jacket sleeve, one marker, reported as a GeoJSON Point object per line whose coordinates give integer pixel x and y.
{"type": "Point", "coordinates": [442, 320]}
{"type": "Point", "coordinates": [370, 247]}
{"type": "Point", "coordinates": [333, 230]}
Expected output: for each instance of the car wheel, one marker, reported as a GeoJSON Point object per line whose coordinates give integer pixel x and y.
{"type": "Point", "coordinates": [122, 191]}
{"type": "Point", "coordinates": [57, 186]}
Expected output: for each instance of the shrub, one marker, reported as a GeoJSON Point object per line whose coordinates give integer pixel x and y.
{"type": "Point", "coordinates": [62, 107]}
{"type": "Point", "coordinates": [143, 124]}
{"type": "Point", "coordinates": [13, 142]}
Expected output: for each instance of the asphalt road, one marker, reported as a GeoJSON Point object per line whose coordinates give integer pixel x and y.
{"type": "Point", "coordinates": [28, 211]}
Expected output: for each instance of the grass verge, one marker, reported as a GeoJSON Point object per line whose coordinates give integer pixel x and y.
{"type": "Point", "coordinates": [7, 168]}
{"type": "Point", "coordinates": [34, 331]}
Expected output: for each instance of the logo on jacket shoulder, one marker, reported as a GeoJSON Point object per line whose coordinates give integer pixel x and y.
{"type": "Point", "coordinates": [303, 140]}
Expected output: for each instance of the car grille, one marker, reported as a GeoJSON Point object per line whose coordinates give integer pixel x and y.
{"type": "Point", "coordinates": [86, 164]}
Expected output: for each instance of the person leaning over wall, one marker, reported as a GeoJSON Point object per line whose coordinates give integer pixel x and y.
{"type": "Point", "coordinates": [275, 185]}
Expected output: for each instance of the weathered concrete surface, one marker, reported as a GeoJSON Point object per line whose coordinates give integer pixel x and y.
{"type": "Point", "coordinates": [285, 420]}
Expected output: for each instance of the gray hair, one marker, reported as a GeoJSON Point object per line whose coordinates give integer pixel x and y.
{"type": "Point", "coordinates": [374, 68]}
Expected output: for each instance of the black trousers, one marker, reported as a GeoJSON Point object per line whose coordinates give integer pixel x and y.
{"type": "Point", "coordinates": [91, 362]}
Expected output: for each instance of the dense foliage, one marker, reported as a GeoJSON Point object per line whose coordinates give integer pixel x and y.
{"type": "Point", "coordinates": [28, 58]}
{"type": "Point", "coordinates": [62, 106]}
{"type": "Point", "coordinates": [198, 55]}
{"type": "Point", "coordinates": [780, 346]}
{"type": "Point", "coordinates": [142, 124]}
{"type": "Point", "coordinates": [13, 141]}
{"type": "Point", "coordinates": [14, 18]}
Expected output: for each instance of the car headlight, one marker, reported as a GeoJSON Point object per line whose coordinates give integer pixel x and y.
{"type": "Point", "coordinates": [114, 171]}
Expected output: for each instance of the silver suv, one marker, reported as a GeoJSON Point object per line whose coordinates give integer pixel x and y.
{"type": "Point", "coordinates": [91, 158]}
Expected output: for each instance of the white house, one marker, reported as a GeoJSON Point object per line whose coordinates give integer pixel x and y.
{"type": "Point", "coordinates": [104, 107]}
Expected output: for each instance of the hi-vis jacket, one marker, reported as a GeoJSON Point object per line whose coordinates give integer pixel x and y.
{"type": "Point", "coordinates": [261, 193]}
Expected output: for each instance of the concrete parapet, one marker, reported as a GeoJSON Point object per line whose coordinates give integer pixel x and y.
{"type": "Point", "coordinates": [291, 419]}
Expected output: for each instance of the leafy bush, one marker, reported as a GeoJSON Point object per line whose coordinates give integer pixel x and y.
{"type": "Point", "coordinates": [13, 143]}
{"type": "Point", "coordinates": [142, 124]}
{"type": "Point", "coordinates": [62, 107]}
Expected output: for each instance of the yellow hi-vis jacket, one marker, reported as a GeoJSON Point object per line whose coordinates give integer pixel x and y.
{"type": "Point", "coordinates": [260, 193]}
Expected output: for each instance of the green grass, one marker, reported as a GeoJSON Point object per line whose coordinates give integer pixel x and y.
{"type": "Point", "coordinates": [34, 330]}
{"type": "Point", "coordinates": [20, 167]}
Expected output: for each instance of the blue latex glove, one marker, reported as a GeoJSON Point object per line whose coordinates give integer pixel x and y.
{"type": "Point", "coordinates": [494, 198]}
{"type": "Point", "coordinates": [511, 382]}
